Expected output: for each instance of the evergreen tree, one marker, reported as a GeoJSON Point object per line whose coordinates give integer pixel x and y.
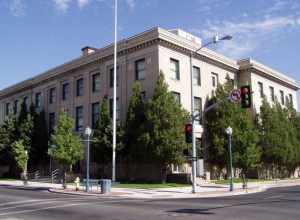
{"type": "Point", "coordinates": [135, 125]}
{"type": "Point", "coordinates": [102, 137]}
{"type": "Point", "coordinates": [66, 146]}
{"type": "Point", "coordinates": [164, 138]}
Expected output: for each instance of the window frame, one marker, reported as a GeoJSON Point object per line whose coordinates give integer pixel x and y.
{"type": "Point", "coordinates": [80, 87]}
{"type": "Point", "coordinates": [272, 93]}
{"type": "Point", "coordinates": [282, 98]}
{"type": "Point", "coordinates": [52, 95]}
{"type": "Point", "coordinates": [38, 100]}
{"type": "Point", "coordinates": [65, 91]}
{"type": "Point", "coordinates": [197, 80]}
{"type": "Point", "coordinates": [214, 79]}
{"type": "Point", "coordinates": [261, 89]}
{"type": "Point", "coordinates": [96, 86]}
{"type": "Point", "coordinates": [177, 96]}
{"type": "Point", "coordinates": [52, 122]}
{"type": "Point", "coordinates": [79, 118]}
{"type": "Point", "coordinates": [111, 77]}
{"type": "Point", "coordinates": [175, 71]}
{"type": "Point", "coordinates": [137, 70]}
{"type": "Point", "coordinates": [95, 115]}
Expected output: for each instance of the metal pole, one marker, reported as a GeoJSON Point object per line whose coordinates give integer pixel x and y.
{"type": "Point", "coordinates": [230, 158]}
{"type": "Point", "coordinates": [115, 97]}
{"type": "Point", "coordinates": [88, 164]}
{"type": "Point", "coordinates": [194, 154]}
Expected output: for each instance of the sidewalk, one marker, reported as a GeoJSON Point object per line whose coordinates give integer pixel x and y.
{"type": "Point", "coordinates": [205, 190]}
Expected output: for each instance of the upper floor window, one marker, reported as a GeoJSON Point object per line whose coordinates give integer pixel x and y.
{"type": "Point", "coordinates": [25, 101]}
{"type": "Point", "coordinates": [174, 68]}
{"type": "Point", "coordinates": [261, 89]}
{"type": "Point", "coordinates": [140, 69]}
{"type": "Point", "coordinates": [198, 110]}
{"type": "Point", "coordinates": [291, 99]}
{"type": "Point", "coordinates": [272, 94]}
{"type": "Point", "coordinates": [51, 122]}
{"type": "Point", "coordinates": [38, 100]}
{"type": "Point", "coordinates": [177, 97]}
{"type": "Point", "coordinates": [196, 76]}
{"type": "Point", "coordinates": [65, 91]}
{"type": "Point", "coordinates": [16, 104]}
{"type": "Point", "coordinates": [95, 114]}
{"type": "Point", "coordinates": [214, 79]}
{"type": "Point", "coordinates": [96, 82]}
{"type": "Point", "coordinates": [79, 118]}
{"type": "Point", "coordinates": [111, 105]}
{"type": "Point", "coordinates": [282, 97]}
{"type": "Point", "coordinates": [52, 95]}
{"type": "Point", "coordinates": [7, 108]}
{"type": "Point", "coordinates": [111, 77]}
{"type": "Point", "coordinates": [79, 87]}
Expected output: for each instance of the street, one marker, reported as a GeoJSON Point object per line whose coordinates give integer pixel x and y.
{"type": "Point", "coordinates": [277, 203]}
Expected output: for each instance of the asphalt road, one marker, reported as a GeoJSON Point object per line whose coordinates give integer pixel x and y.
{"type": "Point", "coordinates": [279, 203]}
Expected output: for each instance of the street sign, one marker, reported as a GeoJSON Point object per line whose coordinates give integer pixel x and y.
{"type": "Point", "coordinates": [235, 95]}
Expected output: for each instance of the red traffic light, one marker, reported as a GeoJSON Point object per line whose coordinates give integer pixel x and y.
{"type": "Point", "coordinates": [188, 128]}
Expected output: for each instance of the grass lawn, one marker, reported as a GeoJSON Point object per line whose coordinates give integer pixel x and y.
{"type": "Point", "coordinates": [149, 185]}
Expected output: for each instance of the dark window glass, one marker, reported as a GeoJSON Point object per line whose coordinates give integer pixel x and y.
{"type": "Point", "coordinates": [25, 100]}
{"type": "Point", "coordinates": [198, 110]}
{"type": "Point", "coordinates": [177, 97]}
{"type": "Point", "coordinates": [52, 95]}
{"type": "Point", "coordinates": [38, 100]}
{"type": "Point", "coordinates": [7, 108]}
{"type": "Point", "coordinates": [261, 89]}
{"type": "Point", "coordinates": [282, 97]}
{"type": "Point", "coordinates": [79, 87]}
{"type": "Point", "coordinates": [16, 104]}
{"type": "Point", "coordinates": [196, 76]}
{"type": "Point", "coordinates": [96, 82]}
{"type": "Point", "coordinates": [65, 91]}
{"type": "Point", "coordinates": [51, 122]}
{"type": "Point", "coordinates": [79, 118]}
{"type": "Point", "coordinates": [140, 69]}
{"type": "Point", "coordinates": [272, 93]}
{"type": "Point", "coordinates": [215, 79]}
{"type": "Point", "coordinates": [111, 108]}
{"type": "Point", "coordinates": [111, 77]}
{"type": "Point", "coordinates": [291, 100]}
{"type": "Point", "coordinates": [95, 114]}
{"type": "Point", "coordinates": [174, 68]}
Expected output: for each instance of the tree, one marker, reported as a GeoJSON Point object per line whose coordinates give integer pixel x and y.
{"type": "Point", "coordinates": [164, 138]}
{"type": "Point", "coordinates": [21, 157]}
{"type": "Point", "coordinates": [134, 126]}
{"type": "Point", "coordinates": [66, 146]}
{"type": "Point", "coordinates": [102, 137]}
{"type": "Point", "coordinates": [246, 154]}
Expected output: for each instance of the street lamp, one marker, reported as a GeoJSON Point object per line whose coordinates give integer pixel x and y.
{"type": "Point", "coordinates": [215, 40]}
{"type": "Point", "coordinates": [26, 169]}
{"type": "Point", "coordinates": [229, 132]}
{"type": "Point", "coordinates": [88, 133]}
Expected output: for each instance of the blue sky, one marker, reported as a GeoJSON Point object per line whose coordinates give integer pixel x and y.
{"type": "Point", "coordinates": [36, 35]}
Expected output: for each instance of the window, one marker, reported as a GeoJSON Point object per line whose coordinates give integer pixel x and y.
{"type": "Point", "coordinates": [79, 118]}
{"type": "Point", "coordinates": [96, 82]}
{"type": "Point", "coordinates": [177, 97]}
{"type": "Point", "coordinates": [196, 76]}
{"type": "Point", "coordinates": [282, 97]}
{"type": "Point", "coordinates": [25, 100]}
{"type": "Point", "coordinates": [111, 77]}
{"type": "Point", "coordinates": [291, 99]}
{"type": "Point", "coordinates": [140, 69]}
{"type": "Point", "coordinates": [38, 100]}
{"type": "Point", "coordinates": [261, 89]}
{"type": "Point", "coordinates": [198, 110]}
{"type": "Point", "coordinates": [7, 108]}
{"type": "Point", "coordinates": [52, 95]}
{"type": "Point", "coordinates": [214, 80]}
{"type": "Point", "coordinates": [51, 122]}
{"type": "Point", "coordinates": [111, 108]}
{"type": "Point", "coordinates": [272, 94]}
{"type": "Point", "coordinates": [16, 104]}
{"type": "Point", "coordinates": [95, 114]}
{"type": "Point", "coordinates": [174, 68]}
{"type": "Point", "coordinates": [65, 91]}
{"type": "Point", "coordinates": [79, 87]}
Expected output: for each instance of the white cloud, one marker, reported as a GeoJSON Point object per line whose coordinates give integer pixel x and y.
{"type": "Point", "coordinates": [17, 8]}
{"type": "Point", "coordinates": [83, 3]}
{"type": "Point", "coordinates": [62, 5]}
{"type": "Point", "coordinates": [248, 35]}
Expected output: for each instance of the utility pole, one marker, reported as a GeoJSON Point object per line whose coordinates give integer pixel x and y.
{"type": "Point", "coordinates": [115, 98]}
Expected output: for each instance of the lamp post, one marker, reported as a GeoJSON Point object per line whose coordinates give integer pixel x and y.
{"type": "Point", "coordinates": [26, 169]}
{"type": "Point", "coordinates": [229, 132]}
{"type": "Point", "coordinates": [88, 133]}
{"type": "Point", "coordinates": [215, 40]}
{"type": "Point", "coordinates": [115, 98]}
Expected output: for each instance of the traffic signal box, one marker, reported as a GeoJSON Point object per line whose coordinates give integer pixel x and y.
{"type": "Point", "coordinates": [246, 97]}
{"type": "Point", "coordinates": [189, 133]}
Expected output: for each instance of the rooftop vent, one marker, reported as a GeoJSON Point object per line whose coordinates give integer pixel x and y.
{"type": "Point", "coordinates": [88, 50]}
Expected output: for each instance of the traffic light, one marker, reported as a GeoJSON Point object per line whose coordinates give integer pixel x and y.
{"type": "Point", "coordinates": [189, 133]}
{"type": "Point", "coordinates": [246, 97]}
